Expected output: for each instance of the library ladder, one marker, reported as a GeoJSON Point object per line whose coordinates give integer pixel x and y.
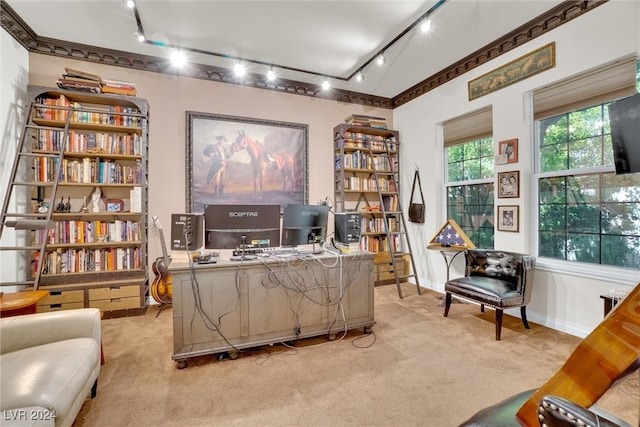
{"type": "Point", "coordinates": [27, 185]}
{"type": "Point", "coordinates": [385, 171]}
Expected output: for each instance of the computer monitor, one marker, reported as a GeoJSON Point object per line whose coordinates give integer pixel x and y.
{"type": "Point", "coordinates": [624, 118]}
{"type": "Point", "coordinates": [241, 226]}
{"type": "Point", "coordinates": [304, 224]}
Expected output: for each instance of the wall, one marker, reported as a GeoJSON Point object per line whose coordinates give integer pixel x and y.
{"type": "Point", "coordinates": [13, 81]}
{"type": "Point", "coordinates": [568, 302]}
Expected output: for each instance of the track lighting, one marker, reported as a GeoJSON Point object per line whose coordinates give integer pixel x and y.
{"type": "Point", "coordinates": [139, 36]}
{"type": "Point", "coordinates": [178, 59]}
{"type": "Point", "coordinates": [425, 26]}
{"type": "Point", "coordinates": [359, 76]}
{"type": "Point", "coordinates": [271, 75]}
{"type": "Point", "coordinates": [381, 59]}
{"type": "Point", "coordinates": [130, 4]}
{"type": "Point", "coordinates": [326, 85]}
{"type": "Point", "coordinates": [239, 70]}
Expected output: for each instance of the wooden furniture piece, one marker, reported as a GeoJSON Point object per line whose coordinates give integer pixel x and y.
{"type": "Point", "coordinates": [232, 305]}
{"type": "Point", "coordinates": [609, 353]}
{"type": "Point", "coordinates": [498, 279]}
{"type": "Point", "coordinates": [366, 180]}
{"type": "Point", "coordinates": [95, 254]}
{"type": "Point", "coordinates": [18, 303]}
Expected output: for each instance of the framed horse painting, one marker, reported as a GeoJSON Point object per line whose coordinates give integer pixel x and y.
{"type": "Point", "coordinates": [240, 160]}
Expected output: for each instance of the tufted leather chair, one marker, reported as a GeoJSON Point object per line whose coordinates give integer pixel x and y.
{"type": "Point", "coordinates": [498, 279]}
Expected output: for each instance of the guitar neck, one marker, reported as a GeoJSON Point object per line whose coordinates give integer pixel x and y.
{"type": "Point", "coordinates": [164, 247]}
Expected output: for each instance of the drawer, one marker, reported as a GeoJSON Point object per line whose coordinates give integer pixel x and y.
{"type": "Point", "coordinates": [114, 292]}
{"type": "Point", "coordinates": [58, 307]}
{"type": "Point", "coordinates": [62, 297]}
{"type": "Point", "coordinates": [116, 303]}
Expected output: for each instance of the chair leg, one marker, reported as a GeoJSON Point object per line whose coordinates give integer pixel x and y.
{"type": "Point", "coordinates": [498, 323]}
{"type": "Point", "coordinates": [481, 308]}
{"type": "Point", "coordinates": [523, 315]}
{"type": "Point", "coordinates": [94, 389]}
{"type": "Point", "coordinates": [447, 303]}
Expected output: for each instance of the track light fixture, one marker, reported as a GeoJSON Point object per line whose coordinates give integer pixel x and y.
{"type": "Point", "coordinates": [239, 70]}
{"type": "Point", "coordinates": [425, 26]}
{"type": "Point", "coordinates": [178, 59]}
{"type": "Point", "coordinates": [381, 60]}
{"type": "Point", "coordinates": [359, 76]}
{"type": "Point", "coordinates": [326, 85]}
{"type": "Point", "coordinates": [130, 4]}
{"type": "Point", "coordinates": [139, 36]}
{"type": "Point", "coordinates": [271, 75]}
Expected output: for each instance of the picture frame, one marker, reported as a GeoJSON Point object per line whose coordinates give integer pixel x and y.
{"type": "Point", "coordinates": [114, 205]}
{"type": "Point", "coordinates": [508, 184]}
{"type": "Point", "coordinates": [507, 151]}
{"type": "Point", "coordinates": [521, 68]}
{"type": "Point", "coordinates": [508, 218]}
{"type": "Point", "coordinates": [243, 160]}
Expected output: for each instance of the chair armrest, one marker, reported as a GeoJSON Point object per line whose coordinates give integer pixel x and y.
{"type": "Point", "coordinates": [42, 328]}
{"type": "Point", "coordinates": [555, 411]}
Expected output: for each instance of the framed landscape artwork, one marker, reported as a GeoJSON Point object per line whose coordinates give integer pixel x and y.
{"type": "Point", "coordinates": [508, 218]}
{"type": "Point", "coordinates": [240, 160]}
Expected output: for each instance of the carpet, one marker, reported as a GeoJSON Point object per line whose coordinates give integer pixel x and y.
{"type": "Point", "coordinates": [417, 368]}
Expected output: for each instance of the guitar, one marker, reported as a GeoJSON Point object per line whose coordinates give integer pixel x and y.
{"type": "Point", "coordinates": [162, 286]}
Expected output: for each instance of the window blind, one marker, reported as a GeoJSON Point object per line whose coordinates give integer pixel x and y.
{"type": "Point", "coordinates": [475, 125]}
{"type": "Point", "coordinates": [594, 87]}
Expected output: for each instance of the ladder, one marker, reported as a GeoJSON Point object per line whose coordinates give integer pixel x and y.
{"type": "Point", "coordinates": [25, 187]}
{"type": "Point", "coordinates": [398, 243]}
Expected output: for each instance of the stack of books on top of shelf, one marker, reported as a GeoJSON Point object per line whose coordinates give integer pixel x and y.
{"type": "Point", "coordinates": [80, 80]}
{"type": "Point", "coordinates": [119, 87]}
{"type": "Point", "coordinates": [363, 120]}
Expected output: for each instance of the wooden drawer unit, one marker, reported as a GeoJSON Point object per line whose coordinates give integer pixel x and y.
{"type": "Point", "coordinates": [61, 300]}
{"type": "Point", "coordinates": [384, 270]}
{"type": "Point", "coordinates": [115, 298]}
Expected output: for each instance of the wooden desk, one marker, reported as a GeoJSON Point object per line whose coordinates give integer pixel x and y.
{"type": "Point", "coordinates": [18, 303]}
{"type": "Point", "coordinates": [232, 305]}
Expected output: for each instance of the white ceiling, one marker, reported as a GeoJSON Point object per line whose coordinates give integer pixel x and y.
{"type": "Point", "coordinates": [325, 37]}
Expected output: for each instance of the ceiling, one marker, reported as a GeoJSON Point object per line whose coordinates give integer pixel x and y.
{"type": "Point", "coordinates": [324, 38]}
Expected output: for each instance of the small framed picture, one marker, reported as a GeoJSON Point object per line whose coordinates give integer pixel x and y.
{"type": "Point", "coordinates": [508, 184]}
{"type": "Point", "coordinates": [114, 205]}
{"type": "Point", "coordinates": [507, 151]}
{"type": "Point", "coordinates": [508, 218]}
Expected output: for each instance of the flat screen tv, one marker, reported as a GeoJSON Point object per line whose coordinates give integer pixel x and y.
{"type": "Point", "coordinates": [304, 224]}
{"type": "Point", "coordinates": [624, 118]}
{"type": "Point", "coordinates": [241, 226]}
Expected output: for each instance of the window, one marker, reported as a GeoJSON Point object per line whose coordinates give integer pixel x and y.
{"type": "Point", "coordinates": [586, 212]}
{"type": "Point", "coordinates": [469, 154]}
{"type": "Point", "coordinates": [469, 186]}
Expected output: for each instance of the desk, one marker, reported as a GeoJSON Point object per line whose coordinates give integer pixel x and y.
{"type": "Point", "coordinates": [18, 303]}
{"type": "Point", "coordinates": [231, 305]}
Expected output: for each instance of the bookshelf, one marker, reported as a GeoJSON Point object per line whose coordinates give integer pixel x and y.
{"type": "Point", "coordinates": [366, 167]}
{"type": "Point", "coordinates": [96, 254]}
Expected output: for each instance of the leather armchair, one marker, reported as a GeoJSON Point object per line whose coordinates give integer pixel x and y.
{"type": "Point", "coordinates": [556, 411]}
{"type": "Point", "coordinates": [498, 279]}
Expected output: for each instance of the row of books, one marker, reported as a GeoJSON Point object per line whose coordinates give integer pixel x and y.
{"type": "Point", "coordinates": [86, 171]}
{"type": "Point", "coordinates": [88, 142]}
{"type": "Point", "coordinates": [88, 260]}
{"type": "Point", "coordinates": [364, 120]}
{"type": "Point", "coordinates": [379, 243]}
{"type": "Point", "coordinates": [71, 232]}
{"type": "Point", "coordinates": [74, 79]}
{"type": "Point", "coordinates": [377, 225]}
{"type": "Point", "coordinates": [111, 115]}
{"type": "Point", "coordinates": [361, 184]}
{"type": "Point", "coordinates": [359, 160]}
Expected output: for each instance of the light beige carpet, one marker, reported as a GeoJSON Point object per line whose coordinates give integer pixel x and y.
{"type": "Point", "coordinates": [418, 368]}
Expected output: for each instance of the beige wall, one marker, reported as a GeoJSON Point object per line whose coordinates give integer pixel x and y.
{"type": "Point", "coordinates": [170, 96]}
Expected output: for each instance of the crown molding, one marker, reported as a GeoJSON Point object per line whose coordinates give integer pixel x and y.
{"type": "Point", "coordinates": [33, 43]}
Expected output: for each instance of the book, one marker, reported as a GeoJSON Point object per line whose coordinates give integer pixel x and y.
{"type": "Point", "coordinates": [119, 90]}
{"type": "Point", "coordinates": [118, 83]}
{"type": "Point", "coordinates": [84, 74]}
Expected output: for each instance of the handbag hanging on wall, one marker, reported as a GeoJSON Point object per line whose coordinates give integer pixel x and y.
{"type": "Point", "coordinates": [416, 210]}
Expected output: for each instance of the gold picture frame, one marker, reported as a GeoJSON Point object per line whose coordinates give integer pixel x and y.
{"type": "Point", "coordinates": [521, 68]}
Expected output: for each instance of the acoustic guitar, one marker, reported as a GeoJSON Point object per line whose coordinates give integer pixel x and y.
{"type": "Point", "coordinates": [162, 286]}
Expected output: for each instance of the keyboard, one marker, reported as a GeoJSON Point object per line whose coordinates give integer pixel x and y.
{"type": "Point", "coordinates": [280, 250]}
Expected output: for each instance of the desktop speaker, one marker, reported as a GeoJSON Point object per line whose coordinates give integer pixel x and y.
{"type": "Point", "coordinates": [347, 227]}
{"type": "Point", "coordinates": [187, 229]}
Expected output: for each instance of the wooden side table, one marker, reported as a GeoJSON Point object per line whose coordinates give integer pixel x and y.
{"type": "Point", "coordinates": [18, 303]}
{"type": "Point", "coordinates": [448, 254]}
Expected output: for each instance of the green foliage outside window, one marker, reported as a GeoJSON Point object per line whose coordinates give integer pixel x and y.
{"type": "Point", "coordinates": [587, 217]}
{"type": "Point", "coordinates": [471, 205]}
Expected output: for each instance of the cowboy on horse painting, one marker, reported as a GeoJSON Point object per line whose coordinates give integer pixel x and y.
{"type": "Point", "coordinates": [264, 162]}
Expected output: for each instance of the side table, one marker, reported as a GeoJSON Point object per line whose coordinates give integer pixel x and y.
{"type": "Point", "coordinates": [18, 303]}
{"type": "Point", "coordinates": [449, 253]}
